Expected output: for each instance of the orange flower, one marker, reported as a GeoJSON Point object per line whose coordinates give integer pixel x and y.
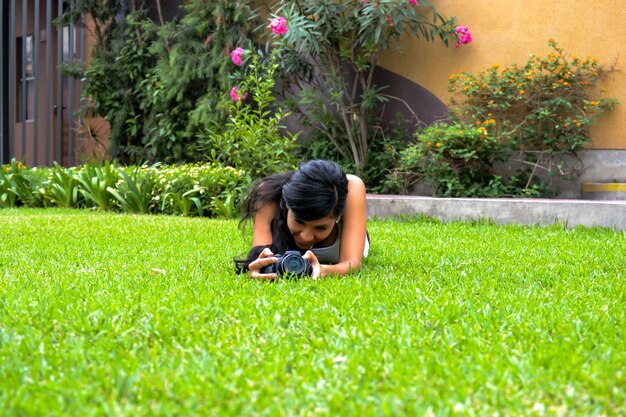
{"type": "Point", "coordinates": [438, 145]}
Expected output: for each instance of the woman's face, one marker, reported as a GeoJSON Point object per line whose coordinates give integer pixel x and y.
{"type": "Point", "coordinates": [308, 233]}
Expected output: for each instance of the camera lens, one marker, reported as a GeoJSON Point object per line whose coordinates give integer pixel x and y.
{"type": "Point", "coordinates": [294, 264]}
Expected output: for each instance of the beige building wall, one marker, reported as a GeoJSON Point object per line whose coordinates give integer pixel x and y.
{"type": "Point", "coordinates": [507, 32]}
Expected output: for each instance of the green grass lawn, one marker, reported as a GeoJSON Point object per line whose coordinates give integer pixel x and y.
{"type": "Point", "coordinates": [121, 315]}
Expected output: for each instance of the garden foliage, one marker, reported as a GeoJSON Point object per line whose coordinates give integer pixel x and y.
{"type": "Point", "coordinates": [158, 86]}
{"type": "Point", "coordinates": [455, 160]}
{"type": "Point", "coordinates": [536, 115]}
{"type": "Point", "coordinates": [164, 87]}
{"type": "Point", "coordinates": [189, 189]}
{"type": "Point", "coordinates": [254, 138]}
{"type": "Point", "coordinates": [329, 52]}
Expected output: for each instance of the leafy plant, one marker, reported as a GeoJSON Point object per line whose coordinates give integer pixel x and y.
{"type": "Point", "coordinates": [188, 85]}
{"type": "Point", "coordinates": [185, 202]}
{"type": "Point", "coordinates": [253, 139]}
{"type": "Point", "coordinates": [383, 156]}
{"type": "Point", "coordinates": [61, 188]}
{"type": "Point", "coordinates": [329, 51]}
{"type": "Point", "coordinates": [115, 84]}
{"type": "Point", "coordinates": [94, 181]}
{"type": "Point", "coordinates": [457, 160]}
{"type": "Point", "coordinates": [199, 189]}
{"type": "Point", "coordinates": [542, 109]}
{"type": "Point", "coordinates": [13, 185]}
{"type": "Point", "coordinates": [134, 191]}
{"type": "Point", "coordinates": [160, 85]}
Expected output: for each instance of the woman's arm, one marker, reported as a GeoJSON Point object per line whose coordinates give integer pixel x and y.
{"type": "Point", "coordinates": [262, 236]}
{"type": "Point", "coordinates": [262, 232]}
{"type": "Point", "coordinates": [353, 231]}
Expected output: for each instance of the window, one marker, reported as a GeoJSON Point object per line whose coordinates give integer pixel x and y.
{"type": "Point", "coordinates": [26, 85]}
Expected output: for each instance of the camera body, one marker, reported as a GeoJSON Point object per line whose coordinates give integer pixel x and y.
{"type": "Point", "coordinates": [289, 264]}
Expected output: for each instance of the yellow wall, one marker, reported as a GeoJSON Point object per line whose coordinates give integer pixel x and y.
{"type": "Point", "coordinates": [506, 32]}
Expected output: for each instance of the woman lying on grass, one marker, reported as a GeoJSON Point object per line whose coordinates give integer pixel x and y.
{"type": "Point", "coordinates": [317, 210]}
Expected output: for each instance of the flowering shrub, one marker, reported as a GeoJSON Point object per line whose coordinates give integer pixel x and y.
{"type": "Point", "coordinates": [329, 52]}
{"type": "Point", "coordinates": [542, 108]}
{"type": "Point", "coordinates": [236, 95]}
{"type": "Point", "coordinates": [253, 138]}
{"type": "Point", "coordinates": [541, 111]}
{"type": "Point", "coordinates": [159, 85]}
{"type": "Point", "coordinates": [456, 160]}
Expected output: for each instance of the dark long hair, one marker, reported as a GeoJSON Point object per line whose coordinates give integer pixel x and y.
{"type": "Point", "coordinates": [317, 189]}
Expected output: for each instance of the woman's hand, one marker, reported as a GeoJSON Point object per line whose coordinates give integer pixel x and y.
{"type": "Point", "coordinates": [266, 257]}
{"type": "Point", "coordinates": [315, 264]}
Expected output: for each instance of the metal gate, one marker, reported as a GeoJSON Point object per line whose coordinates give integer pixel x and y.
{"type": "Point", "coordinates": [38, 101]}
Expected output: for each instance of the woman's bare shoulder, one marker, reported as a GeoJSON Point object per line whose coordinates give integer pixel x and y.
{"type": "Point", "coordinates": [355, 184]}
{"type": "Point", "coordinates": [266, 210]}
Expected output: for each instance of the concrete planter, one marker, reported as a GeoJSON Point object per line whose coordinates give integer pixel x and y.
{"type": "Point", "coordinates": [526, 211]}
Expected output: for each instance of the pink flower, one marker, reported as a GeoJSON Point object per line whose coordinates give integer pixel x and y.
{"type": "Point", "coordinates": [463, 34]}
{"type": "Point", "coordinates": [236, 56]}
{"type": "Point", "coordinates": [278, 25]}
{"type": "Point", "coordinates": [236, 96]}
{"type": "Point", "coordinates": [413, 2]}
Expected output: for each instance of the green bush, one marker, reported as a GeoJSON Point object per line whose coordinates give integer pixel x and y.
{"type": "Point", "coordinates": [115, 84]}
{"type": "Point", "coordinates": [457, 161]}
{"type": "Point", "coordinates": [12, 184]}
{"type": "Point", "coordinates": [190, 190]}
{"type": "Point", "coordinates": [160, 85]}
{"type": "Point", "coordinates": [329, 52]}
{"type": "Point", "coordinates": [254, 138]}
{"type": "Point", "coordinates": [20, 185]}
{"type": "Point", "coordinates": [36, 179]}
{"type": "Point", "coordinates": [542, 109]}
{"type": "Point", "coordinates": [133, 190]}
{"type": "Point", "coordinates": [196, 189]}
{"type": "Point", "coordinates": [61, 187]}
{"type": "Point", "coordinates": [94, 182]}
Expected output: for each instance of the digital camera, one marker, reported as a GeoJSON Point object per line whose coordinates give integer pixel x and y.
{"type": "Point", "coordinates": [290, 264]}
